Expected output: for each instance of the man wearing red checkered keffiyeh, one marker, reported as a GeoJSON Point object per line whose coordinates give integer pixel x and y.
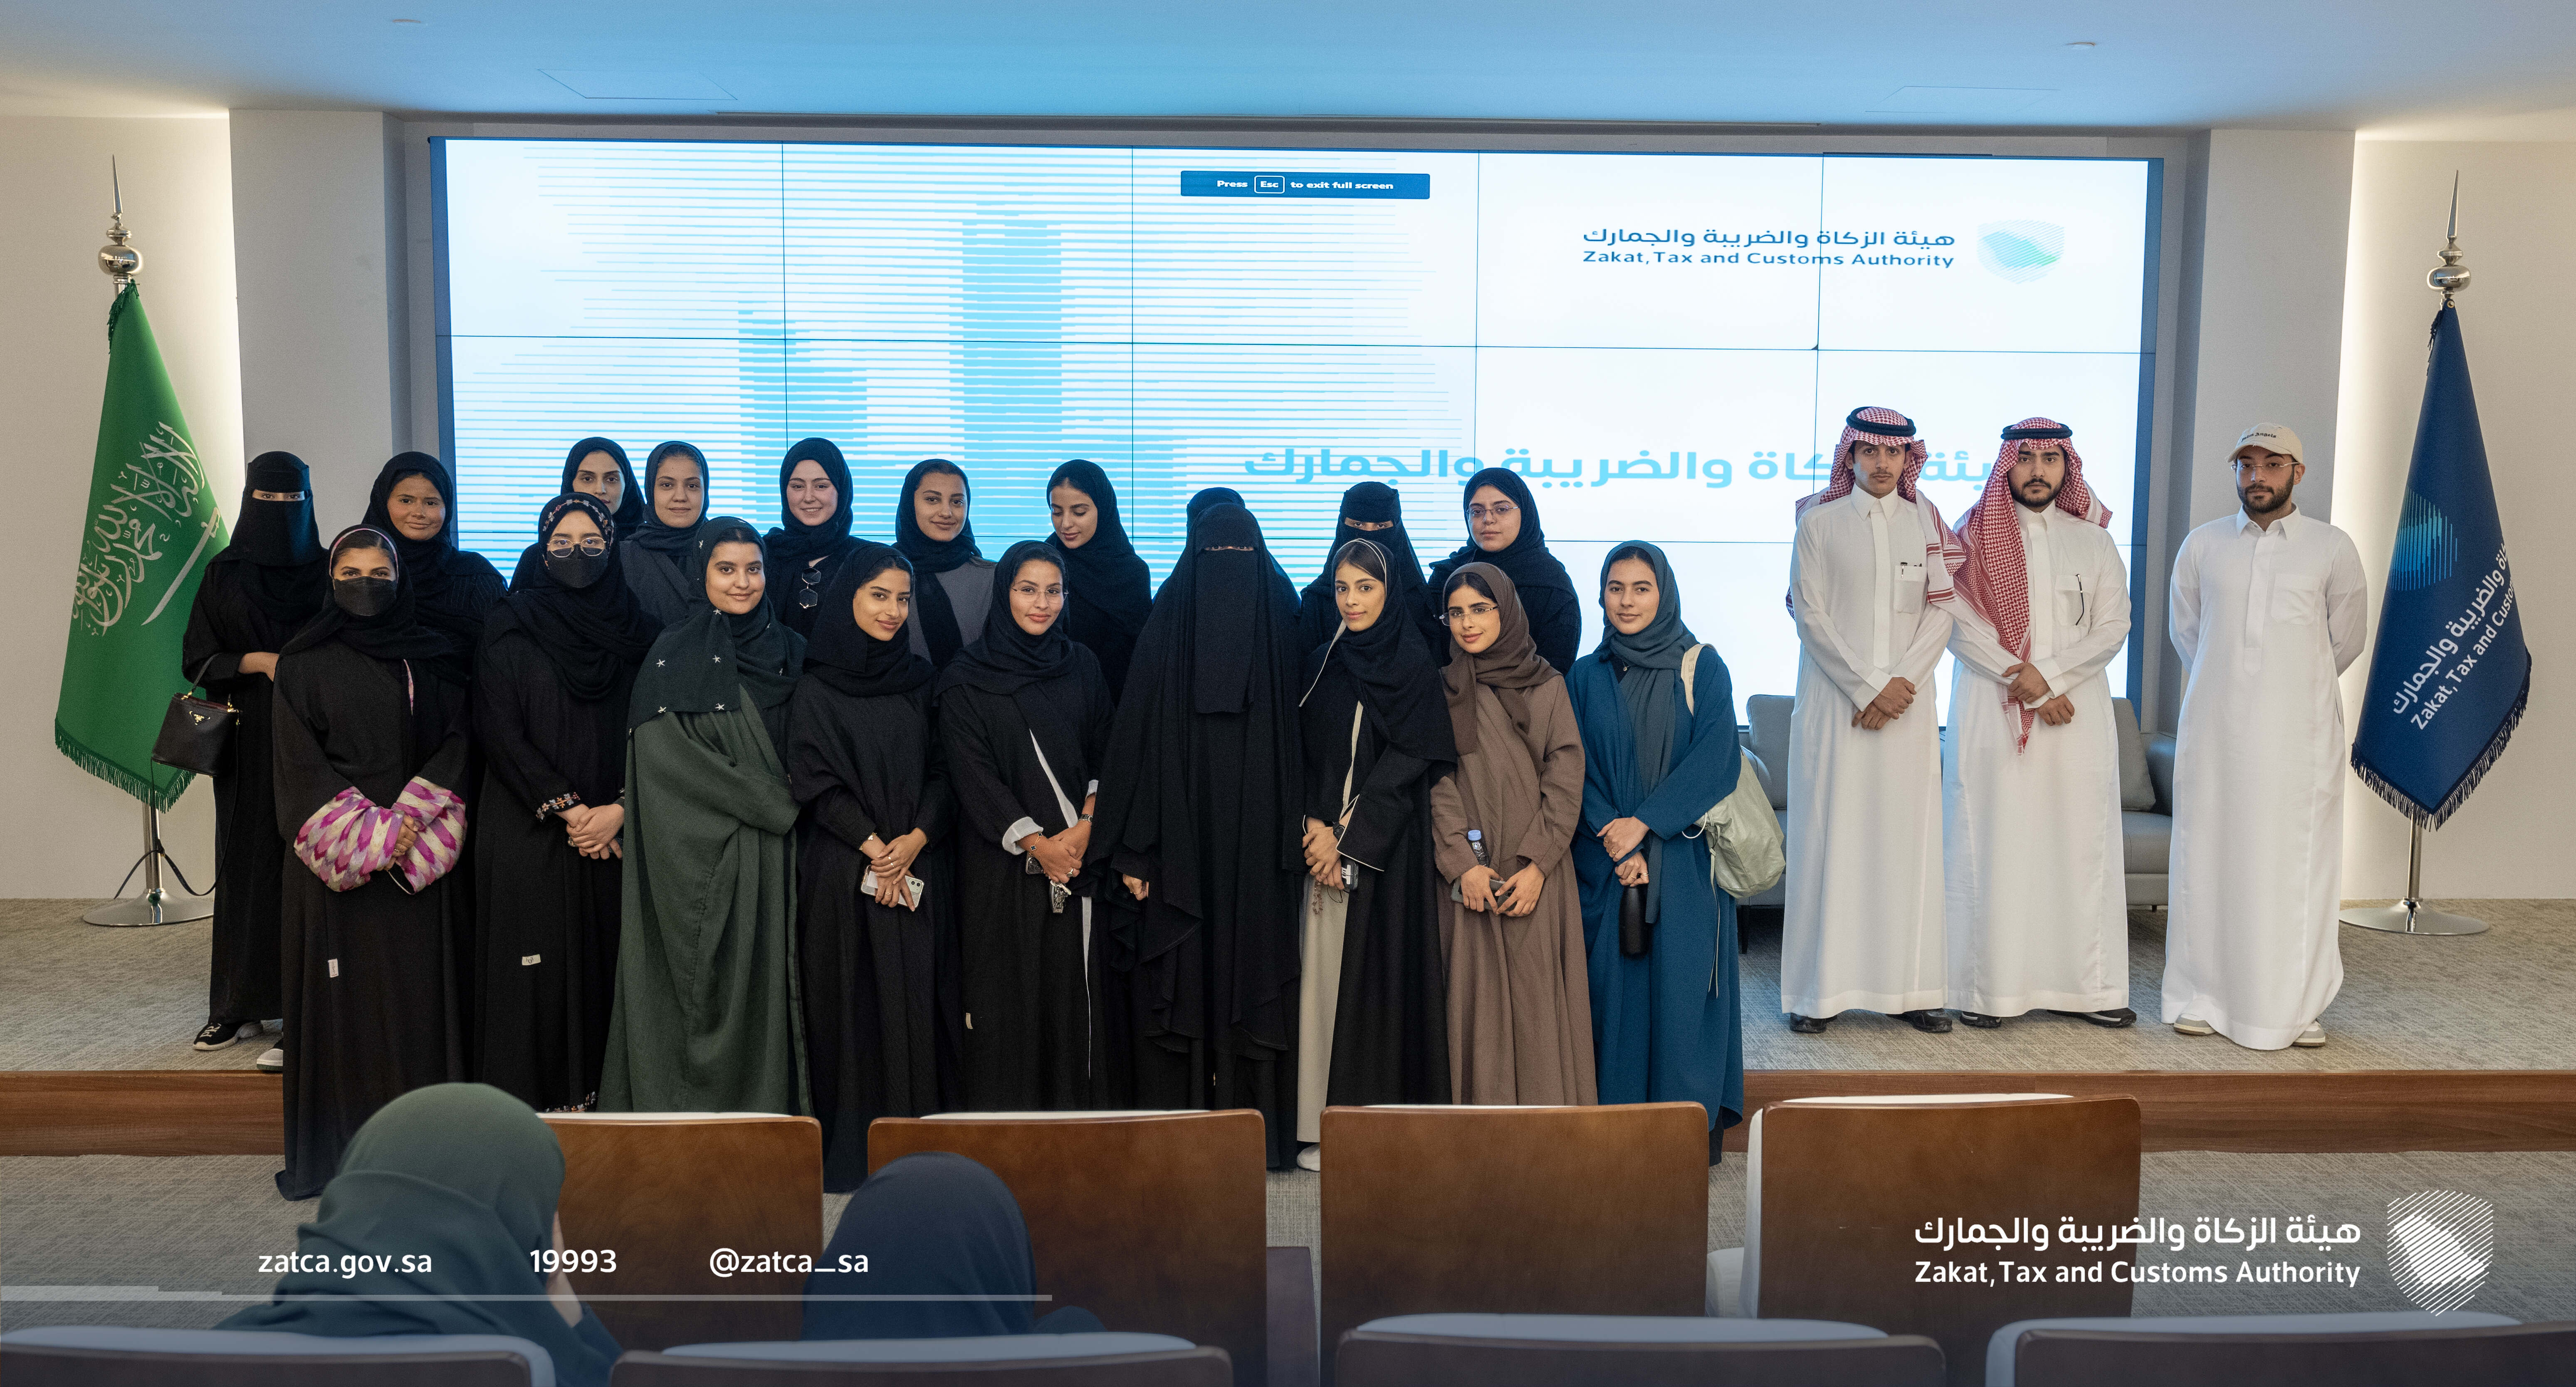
{"type": "Point", "coordinates": [2037, 887]}
{"type": "Point", "coordinates": [1870, 588]}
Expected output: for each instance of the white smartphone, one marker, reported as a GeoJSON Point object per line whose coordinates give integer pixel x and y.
{"type": "Point", "coordinates": [911, 888]}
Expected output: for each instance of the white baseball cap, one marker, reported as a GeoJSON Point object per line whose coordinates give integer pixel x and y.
{"type": "Point", "coordinates": [2271, 438]}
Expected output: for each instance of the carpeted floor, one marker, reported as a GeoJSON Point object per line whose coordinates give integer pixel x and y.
{"type": "Point", "coordinates": [198, 1225]}
{"type": "Point", "coordinates": [82, 997]}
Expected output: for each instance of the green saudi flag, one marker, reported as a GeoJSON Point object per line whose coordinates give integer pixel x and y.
{"type": "Point", "coordinates": [145, 538]}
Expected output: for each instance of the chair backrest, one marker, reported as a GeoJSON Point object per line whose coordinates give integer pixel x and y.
{"type": "Point", "coordinates": [1155, 1222]}
{"type": "Point", "coordinates": [1479, 1350]}
{"type": "Point", "coordinates": [1178, 1367]}
{"type": "Point", "coordinates": [1839, 1194]}
{"type": "Point", "coordinates": [110, 1356]}
{"type": "Point", "coordinates": [1766, 721]}
{"type": "Point", "coordinates": [1574, 1210]}
{"type": "Point", "coordinates": [665, 1192]}
{"type": "Point", "coordinates": [2109, 1356]}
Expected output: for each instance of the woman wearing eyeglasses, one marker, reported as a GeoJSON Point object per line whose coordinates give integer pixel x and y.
{"type": "Point", "coordinates": [550, 693]}
{"type": "Point", "coordinates": [1503, 530]}
{"type": "Point", "coordinates": [807, 548]}
{"type": "Point", "coordinates": [1024, 718]}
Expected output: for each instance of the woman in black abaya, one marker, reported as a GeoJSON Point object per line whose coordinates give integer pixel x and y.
{"type": "Point", "coordinates": [662, 570]}
{"type": "Point", "coordinates": [1372, 511]}
{"type": "Point", "coordinates": [1199, 819]}
{"type": "Point", "coordinates": [414, 500]}
{"type": "Point", "coordinates": [1503, 530]}
{"type": "Point", "coordinates": [255, 596]}
{"type": "Point", "coordinates": [370, 751]}
{"type": "Point", "coordinates": [879, 967]}
{"type": "Point", "coordinates": [559, 659]}
{"type": "Point", "coordinates": [1373, 989]}
{"type": "Point", "coordinates": [813, 536]}
{"type": "Point", "coordinates": [1107, 593]}
{"type": "Point", "coordinates": [953, 581]}
{"type": "Point", "coordinates": [1024, 717]}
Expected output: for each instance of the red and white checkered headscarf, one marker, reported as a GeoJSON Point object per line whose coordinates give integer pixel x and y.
{"type": "Point", "coordinates": [1942, 551]}
{"type": "Point", "coordinates": [1996, 579]}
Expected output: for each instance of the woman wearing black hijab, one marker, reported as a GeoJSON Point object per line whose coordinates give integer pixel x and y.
{"type": "Point", "coordinates": [597, 467]}
{"type": "Point", "coordinates": [1503, 530]}
{"type": "Point", "coordinates": [813, 536]}
{"type": "Point", "coordinates": [663, 570]}
{"type": "Point", "coordinates": [1024, 718]}
{"type": "Point", "coordinates": [879, 967]}
{"type": "Point", "coordinates": [705, 1016]}
{"type": "Point", "coordinates": [255, 596]}
{"type": "Point", "coordinates": [370, 759]}
{"type": "Point", "coordinates": [1372, 511]}
{"type": "Point", "coordinates": [1199, 818]}
{"type": "Point", "coordinates": [414, 500]}
{"type": "Point", "coordinates": [1373, 1019]}
{"type": "Point", "coordinates": [948, 1258]}
{"type": "Point", "coordinates": [550, 693]}
{"type": "Point", "coordinates": [1208, 498]}
{"type": "Point", "coordinates": [954, 579]}
{"type": "Point", "coordinates": [1107, 593]}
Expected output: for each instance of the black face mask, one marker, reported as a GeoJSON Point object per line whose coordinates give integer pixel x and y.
{"type": "Point", "coordinates": [576, 570]}
{"type": "Point", "coordinates": [363, 596]}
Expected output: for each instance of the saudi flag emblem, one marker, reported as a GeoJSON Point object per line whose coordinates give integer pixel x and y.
{"type": "Point", "coordinates": [2020, 251]}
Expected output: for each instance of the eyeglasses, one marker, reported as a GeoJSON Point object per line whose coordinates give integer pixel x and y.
{"type": "Point", "coordinates": [562, 547]}
{"type": "Point", "coordinates": [1477, 611]}
{"type": "Point", "coordinates": [1500, 510]}
{"type": "Point", "coordinates": [1054, 592]}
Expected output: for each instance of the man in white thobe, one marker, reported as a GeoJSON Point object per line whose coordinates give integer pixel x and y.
{"type": "Point", "coordinates": [2268, 609]}
{"type": "Point", "coordinates": [2036, 879]}
{"type": "Point", "coordinates": [1869, 585]}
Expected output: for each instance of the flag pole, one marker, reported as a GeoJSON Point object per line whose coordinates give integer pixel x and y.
{"type": "Point", "coordinates": [2410, 916]}
{"type": "Point", "coordinates": [156, 906]}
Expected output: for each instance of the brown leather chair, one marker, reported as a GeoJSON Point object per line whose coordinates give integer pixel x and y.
{"type": "Point", "coordinates": [2373, 1350]}
{"type": "Point", "coordinates": [1838, 1192]}
{"type": "Point", "coordinates": [1156, 1222]}
{"type": "Point", "coordinates": [1636, 1351]}
{"type": "Point", "coordinates": [665, 1191]}
{"type": "Point", "coordinates": [1572, 1211]}
{"type": "Point", "coordinates": [108, 1356]}
{"type": "Point", "coordinates": [944, 1362]}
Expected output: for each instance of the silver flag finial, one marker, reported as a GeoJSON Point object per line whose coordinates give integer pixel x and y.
{"type": "Point", "coordinates": [2451, 276]}
{"type": "Point", "coordinates": [116, 259]}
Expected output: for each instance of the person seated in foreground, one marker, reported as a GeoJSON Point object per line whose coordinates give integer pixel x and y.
{"type": "Point", "coordinates": [931, 1224]}
{"type": "Point", "coordinates": [455, 1185]}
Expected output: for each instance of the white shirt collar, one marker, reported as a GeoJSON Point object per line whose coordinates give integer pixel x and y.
{"type": "Point", "coordinates": [2245, 522]}
{"type": "Point", "coordinates": [1885, 505]}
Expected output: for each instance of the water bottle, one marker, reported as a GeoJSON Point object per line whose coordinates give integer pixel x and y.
{"type": "Point", "coordinates": [1635, 935]}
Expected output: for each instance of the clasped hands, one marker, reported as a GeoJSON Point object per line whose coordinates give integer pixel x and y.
{"type": "Point", "coordinates": [591, 829]}
{"type": "Point", "coordinates": [1059, 855]}
{"type": "Point", "coordinates": [1890, 705]}
{"type": "Point", "coordinates": [2030, 687]}
{"type": "Point", "coordinates": [1481, 887]}
{"type": "Point", "coordinates": [1620, 837]}
{"type": "Point", "coordinates": [892, 862]}
{"type": "Point", "coordinates": [1323, 853]}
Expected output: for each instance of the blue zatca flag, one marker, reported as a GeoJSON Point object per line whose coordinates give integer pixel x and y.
{"type": "Point", "coordinates": [2449, 676]}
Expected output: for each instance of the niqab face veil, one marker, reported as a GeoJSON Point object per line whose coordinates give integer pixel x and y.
{"type": "Point", "coordinates": [275, 542]}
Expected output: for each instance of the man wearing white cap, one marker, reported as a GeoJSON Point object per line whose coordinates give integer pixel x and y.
{"type": "Point", "coordinates": [2267, 609]}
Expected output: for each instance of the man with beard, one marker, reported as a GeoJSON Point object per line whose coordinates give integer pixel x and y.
{"type": "Point", "coordinates": [2036, 884]}
{"type": "Point", "coordinates": [2268, 609]}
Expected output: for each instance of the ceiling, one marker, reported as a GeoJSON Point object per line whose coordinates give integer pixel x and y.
{"type": "Point", "coordinates": [2495, 69]}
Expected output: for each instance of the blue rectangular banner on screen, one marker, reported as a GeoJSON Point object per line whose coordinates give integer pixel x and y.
{"type": "Point", "coordinates": [1663, 344]}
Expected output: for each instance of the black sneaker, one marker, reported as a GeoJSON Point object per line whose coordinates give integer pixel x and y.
{"type": "Point", "coordinates": [2117, 1019]}
{"type": "Point", "coordinates": [1980, 1020]}
{"type": "Point", "coordinates": [1808, 1025]}
{"type": "Point", "coordinates": [1928, 1022]}
{"type": "Point", "coordinates": [219, 1034]}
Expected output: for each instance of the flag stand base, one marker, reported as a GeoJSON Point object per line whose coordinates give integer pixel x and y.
{"type": "Point", "coordinates": [155, 906]}
{"type": "Point", "coordinates": [2411, 916]}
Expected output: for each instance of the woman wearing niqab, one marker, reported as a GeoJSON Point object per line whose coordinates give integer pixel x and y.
{"type": "Point", "coordinates": [813, 534]}
{"type": "Point", "coordinates": [1199, 818]}
{"type": "Point", "coordinates": [878, 969]}
{"type": "Point", "coordinates": [1500, 512]}
{"type": "Point", "coordinates": [257, 593]}
{"type": "Point", "coordinates": [953, 581]}
{"type": "Point", "coordinates": [550, 697]}
{"type": "Point", "coordinates": [1107, 592]}
{"type": "Point", "coordinates": [706, 1018]}
{"type": "Point", "coordinates": [1372, 511]}
{"type": "Point", "coordinates": [370, 759]}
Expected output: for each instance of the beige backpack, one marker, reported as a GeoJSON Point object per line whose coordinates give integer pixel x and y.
{"type": "Point", "coordinates": [1746, 855]}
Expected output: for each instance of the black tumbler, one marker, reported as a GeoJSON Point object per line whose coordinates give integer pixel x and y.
{"type": "Point", "coordinates": [1635, 935]}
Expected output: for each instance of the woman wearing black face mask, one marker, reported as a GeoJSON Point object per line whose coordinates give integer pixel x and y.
{"type": "Point", "coordinates": [370, 727]}
{"type": "Point", "coordinates": [256, 594]}
{"type": "Point", "coordinates": [558, 661]}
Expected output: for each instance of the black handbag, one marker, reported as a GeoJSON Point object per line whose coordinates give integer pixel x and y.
{"type": "Point", "coordinates": [194, 733]}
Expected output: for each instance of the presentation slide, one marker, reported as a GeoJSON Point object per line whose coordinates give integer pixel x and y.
{"type": "Point", "coordinates": [1665, 345]}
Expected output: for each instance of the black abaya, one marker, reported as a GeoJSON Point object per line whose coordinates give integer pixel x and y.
{"type": "Point", "coordinates": [1546, 589]}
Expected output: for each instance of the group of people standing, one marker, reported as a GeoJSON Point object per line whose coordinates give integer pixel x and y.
{"type": "Point", "coordinates": [693, 816]}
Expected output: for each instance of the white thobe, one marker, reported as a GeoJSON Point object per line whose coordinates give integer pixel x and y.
{"type": "Point", "coordinates": [2265, 619]}
{"type": "Point", "coordinates": [2031, 847]}
{"type": "Point", "coordinates": [1862, 920]}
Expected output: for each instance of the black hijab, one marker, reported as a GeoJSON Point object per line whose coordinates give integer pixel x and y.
{"type": "Point", "coordinates": [454, 588]}
{"type": "Point", "coordinates": [708, 662]}
{"type": "Point", "coordinates": [1319, 615]}
{"type": "Point", "coordinates": [594, 636]}
{"type": "Point", "coordinates": [275, 543]}
{"type": "Point", "coordinates": [932, 557]}
{"type": "Point", "coordinates": [397, 632]}
{"type": "Point", "coordinates": [1007, 659]}
{"type": "Point", "coordinates": [1209, 499]}
{"type": "Point", "coordinates": [1525, 560]}
{"type": "Point", "coordinates": [674, 544]}
{"type": "Point", "coordinates": [795, 543]}
{"type": "Point", "coordinates": [941, 1233]}
{"type": "Point", "coordinates": [631, 501]}
{"type": "Point", "coordinates": [848, 658]}
{"type": "Point", "coordinates": [1107, 591]}
{"type": "Point", "coordinates": [1398, 683]}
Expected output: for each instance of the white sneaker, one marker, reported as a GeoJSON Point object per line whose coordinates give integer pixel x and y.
{"type": "Point", "coordinates": [1311, 1157]}
{"type": "Point", "coordinates": [272, 1060]}
{"type": "Point", "coordinates": [2193, 1025]}
{"type": "Point", "coordinates": [2312, 1037]}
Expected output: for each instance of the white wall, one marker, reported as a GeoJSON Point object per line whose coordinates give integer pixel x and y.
{"type": "Point", "coordinates": [65, 832]}
{"type": "Point", "coordinates": [2518, 227]}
